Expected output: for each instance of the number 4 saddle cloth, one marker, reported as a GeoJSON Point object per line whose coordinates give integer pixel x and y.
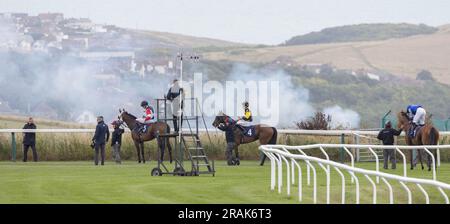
{"type": "Point", "coordinates": [248, 131]}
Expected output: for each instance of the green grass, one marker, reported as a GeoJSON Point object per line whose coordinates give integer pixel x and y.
{"type": "Point", "coordinates": [82, 182]}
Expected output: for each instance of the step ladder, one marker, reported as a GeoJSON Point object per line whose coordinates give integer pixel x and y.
{"type": "Point", "coordinates": [366, 156]}
{"type": "Point", "coordinates": [196, 154]}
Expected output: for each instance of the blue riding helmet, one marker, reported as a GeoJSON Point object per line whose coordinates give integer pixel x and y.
{"type": "Point", "coordinates": [412, 109]}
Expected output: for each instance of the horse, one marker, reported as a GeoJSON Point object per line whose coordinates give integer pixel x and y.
{"type": "Point", "coordinates": [427, 135]}
{"type": "Point", "coordinates": [153, 131]}
{"type": "Point", "coordinates": [265, 134]}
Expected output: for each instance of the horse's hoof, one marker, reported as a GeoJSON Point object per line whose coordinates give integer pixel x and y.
{"type": "Point", "coordinates": [139, 161]}
{"type": "Point", "coordinates": [423, 167]}
{"type": "Point", "coordinates": [412, 168]}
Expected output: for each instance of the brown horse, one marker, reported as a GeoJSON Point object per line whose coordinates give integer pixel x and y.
{"type": "Point", "coordinates": [427, 135]}
{"type": "Point", "coordinates": [265, 134]}
{"type": "Point", "coordinates": [153, 131]}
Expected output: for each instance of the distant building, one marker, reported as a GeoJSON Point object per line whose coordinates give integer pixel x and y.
{"type": "Point", "coordinates": [51, 17]}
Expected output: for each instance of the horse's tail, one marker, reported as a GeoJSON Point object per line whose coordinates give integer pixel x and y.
{"type": "Point", "coordinates": [273, 140]}
{"type": "Point", "coordinates": [433, 136]}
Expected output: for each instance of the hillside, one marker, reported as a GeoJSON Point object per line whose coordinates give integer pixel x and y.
{"type": "Point", "coordinates": [403, 57]}
{"type": "Point", "coordinates": [361, 32]}
{"type": "Point", "coordinates": [172, 40]}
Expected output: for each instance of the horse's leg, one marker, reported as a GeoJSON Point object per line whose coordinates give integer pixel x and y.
{"type": "Point", "coordinates": [161, 148]}
{"type": "Point", "coordinates": [229, 153]}
{"type": "Point", "coordinates": [142, 151]}
{"type": "Point", "coordinates": [169, 147]}
{"type": "Point", "coordinates": [237, 161]}
{"type": "Point", "coordinates": [138, 149]}
{"type": "Point", "coordinates": [420, 158]}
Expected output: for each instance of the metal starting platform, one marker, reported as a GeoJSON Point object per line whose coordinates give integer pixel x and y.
{"type": "Point", "coordinates": [189, 155]}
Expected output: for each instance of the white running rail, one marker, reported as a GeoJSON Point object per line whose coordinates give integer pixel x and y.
{"type": "Point", "coordinates": [281, 154]}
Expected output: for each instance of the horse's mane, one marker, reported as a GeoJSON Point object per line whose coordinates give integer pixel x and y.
{"type": "Point", "coordinates": [131, 115]}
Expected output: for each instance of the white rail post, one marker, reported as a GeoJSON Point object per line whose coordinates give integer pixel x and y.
{"type": "Point", "coordinates": [377, 168]}
{"type": "Point", "coordinates": [343, 183]}
{"type": "Point", "coordinates": [407, 191]}
{"type": "Point", "coordinates": [444, 194]}
{"type": "Point", "coordinates": [391, 194]}
{"type": "Point", "coordinates": [351, 158]}
{"type": "Point", "coordinates": [374, 188]}
{"type": "Point", "coordinates": [357, 186]}
{"type": "Point", "coordinates": [288, 176]}
{"type": "Point", "coordinates": [308, 164]}
{"type": "Point", "coordinates": [327, 175]}
{"type": "Point", "coordinates": [280, 173]}
{"type": "Point", "coordinates": [404, 161]}
{"type": "Point", "coordinates": [433, 162]}
{"type": "Point", "coordinates": [427, 199]}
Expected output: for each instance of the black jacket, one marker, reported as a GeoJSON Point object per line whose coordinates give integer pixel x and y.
{"type": "Point", "coordinates": [101, 133]}
{"type": "Point", "coordinates": [387, 135]}
{"type": "Point", "coordinates": [229, 134]}
{"type": "Point", "coordinates": [29, 138]}
{"type": "Point", "coordinates": [117, 136]}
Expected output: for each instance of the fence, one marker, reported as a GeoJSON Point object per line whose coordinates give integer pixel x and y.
{"type": "Point", "coordinates": [279, 154]}
{"type": "Point", "coordinates": [339, 133]}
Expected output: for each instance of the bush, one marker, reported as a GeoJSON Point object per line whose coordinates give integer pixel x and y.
{"type": "Point", "coordinates": [425, 75]}
{"type": "Point", "coordinates": [320, 121]}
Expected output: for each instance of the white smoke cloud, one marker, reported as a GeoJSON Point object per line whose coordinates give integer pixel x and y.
{"type": "Point", "coordinates": [344, 118]}
{"type": "Point", "coordinates": [293, 98]}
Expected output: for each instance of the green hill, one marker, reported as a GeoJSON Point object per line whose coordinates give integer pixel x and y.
{"type": "Point", "coordinates": [361, 32]}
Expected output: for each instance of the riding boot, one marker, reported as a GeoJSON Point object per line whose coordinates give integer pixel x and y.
{"type": "Point", "coordinates": [229, 154]}
{"type": "Point", "coordinates": [175, 124]}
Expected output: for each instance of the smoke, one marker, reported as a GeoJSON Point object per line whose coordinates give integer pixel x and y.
{"type": "Point", "coordinates": [290, 104]}
{"type": "Point", "coordinates": [62, 87]}
{"type": "Point", "coordinates": [342, 118]}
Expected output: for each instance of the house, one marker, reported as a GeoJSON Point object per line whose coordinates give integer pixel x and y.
{"type": "Point", "coordinates": [51, 17]}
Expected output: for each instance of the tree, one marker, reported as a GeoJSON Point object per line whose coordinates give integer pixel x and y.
{"type": "Point", "coordinates": [424, 75]}
{"type": "Point", "coordinates": [319, 121]}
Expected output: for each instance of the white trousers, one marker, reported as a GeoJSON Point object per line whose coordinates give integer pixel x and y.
{"type": "Point", "coordinates": [143, 121]}
{"type": "Point", "coordinates": [420, 116]}
{"type": "Point", "coordinates": [244, 123]}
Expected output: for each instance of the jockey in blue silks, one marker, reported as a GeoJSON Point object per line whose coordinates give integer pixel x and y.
{"type": "Point", "coordinates": [417, 115]}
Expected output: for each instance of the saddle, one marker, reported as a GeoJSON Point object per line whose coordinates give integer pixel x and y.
{"type": "Point", "coordinates": [413, 131]}
{"type": "Point", "coordinates": [248, 131]}
{"type": "Point", "coordinates": [142, 128]}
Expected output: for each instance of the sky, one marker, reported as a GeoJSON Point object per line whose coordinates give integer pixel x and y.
{"type": "Point", "coordinates": [246, 21]}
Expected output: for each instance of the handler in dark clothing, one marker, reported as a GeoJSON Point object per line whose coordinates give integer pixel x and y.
{"type": "Point", "coordinates": [229, 137]}
{"type": "Point", "coordinates": [29, 140]}
{"type": "Point", "coordinates": [100, 138]}
{"type": "Point", "coordinates": [116, 141]}
{"type": "Point", "coordinates": [387, 136]}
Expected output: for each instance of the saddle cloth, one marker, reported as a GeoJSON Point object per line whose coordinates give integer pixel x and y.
{"type": "Point", "coordinates": [140, 127]}
{"type": "Point", "coordinates": [248, 131]}
{"type": "Point", "coordinates": [413, 132]}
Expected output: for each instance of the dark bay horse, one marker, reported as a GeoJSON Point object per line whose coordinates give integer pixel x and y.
{"type": "Point", "coordinates": [427, 135]}
{"type": "Point", "coordinates": [265, 134]}
{"type": "Point", "coordinates": [152, 132]}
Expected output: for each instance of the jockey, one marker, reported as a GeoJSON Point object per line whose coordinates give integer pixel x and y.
{"type": "Point", "coordinates": [247, 118]}
{"type": "Point", "coordinates": [417, 115]}
{"type": "Point", "coordinates": [148, 117]}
